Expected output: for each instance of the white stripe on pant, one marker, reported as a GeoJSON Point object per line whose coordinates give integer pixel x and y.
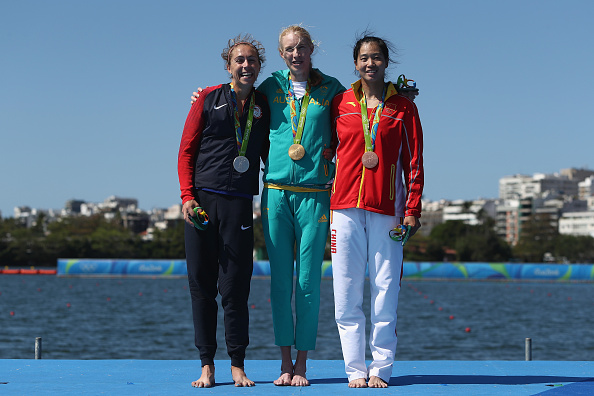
{"type": "Point", "coordinates": [359, 237]}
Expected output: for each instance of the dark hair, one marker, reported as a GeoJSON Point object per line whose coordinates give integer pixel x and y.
{"type": "Point", "coordinates": [246, 39]}
{"type": "Point", "coordinates": [384, 45]}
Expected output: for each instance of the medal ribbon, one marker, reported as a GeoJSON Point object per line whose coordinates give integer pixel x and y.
{"type": "Point", "coordinates": [242, 140]}
{"type": "Point", "coordinates": [298, 125]}
{"type": "Point", "coordinates": [370, 135]}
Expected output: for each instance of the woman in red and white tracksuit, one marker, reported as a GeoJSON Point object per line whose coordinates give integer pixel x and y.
{"type": "Point", "coordinates": [378, 185]}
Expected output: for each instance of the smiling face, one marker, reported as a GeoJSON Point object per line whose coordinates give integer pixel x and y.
{"type": "Point", "coordinates": [371, 63]}
{"type": "Point", "coordinates": [296, 52]}
{"type": "Point", "coordinates": [243, 66]}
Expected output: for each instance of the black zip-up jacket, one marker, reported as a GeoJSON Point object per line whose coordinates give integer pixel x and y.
{"type": "Point", "coordinates": [209, 146]}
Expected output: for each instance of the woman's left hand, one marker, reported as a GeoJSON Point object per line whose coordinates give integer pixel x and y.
{"type": "Point", "coordinates": [328, 154]}
{"type": "Point", "coordinates": [188, 210]}
{"type": "Point", "coordinates": [413, 222]}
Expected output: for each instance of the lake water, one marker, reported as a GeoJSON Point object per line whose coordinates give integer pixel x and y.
{"type": "Point", "coordinates": [122, 318]}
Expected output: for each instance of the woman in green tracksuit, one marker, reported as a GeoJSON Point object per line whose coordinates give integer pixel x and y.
{"type": "Point", "coordinates": [296, 196]}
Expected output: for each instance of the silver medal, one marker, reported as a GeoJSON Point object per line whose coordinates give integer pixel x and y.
{"type": "Point", "coordinates": [241, 164]}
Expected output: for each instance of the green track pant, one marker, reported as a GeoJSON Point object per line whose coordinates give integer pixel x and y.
{"type": "Point", "coordinates": [295, 225]}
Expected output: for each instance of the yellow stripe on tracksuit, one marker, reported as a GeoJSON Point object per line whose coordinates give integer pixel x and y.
{"type": "Point", "coordinates": [294, 188]}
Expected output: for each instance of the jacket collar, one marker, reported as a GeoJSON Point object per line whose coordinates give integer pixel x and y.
{"type": "Point", "coordinates": [358, 92]}
{"type": "Point", "coordinates": [282, 77]}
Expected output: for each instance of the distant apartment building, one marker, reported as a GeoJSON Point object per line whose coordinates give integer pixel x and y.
{"type": "Point", "coordinates": [551, 210]}
{"type": "Point", "coordinates": [516, 187]}
{"type": "Point", "coordinates": [431, 215]}
{"type": "Point", "coordinates": [137, 222]}
{"type": "Point", "coordinates": [470, 212]}
{"type": "Point", "coordinates": [122, 204]}
{"type": "Point", "coordinates": [73, 206]}
{"type": "Point", "coordinates": [522, 186]}
{"type": "Point", "coordinates": [25, 215]}
{"type": "Point", "coordinates": [577, 174]}
{"type": "Point", "coordinates": [586, 188]}
{"type": "Point", "coordinates": [590, 202]}
{"type": "Point", "coordinates": [547, 195]}
{"type": "Point", "coordinates": [510, 215]}
{"type": "Point", "coordinates": [28, 217]}
{"type": "Point", "coordinates": [577, 223]}
{"type": "Point", "coordinates": [513, 213]}
{"type": "Point", "coordinates": [163, 219]}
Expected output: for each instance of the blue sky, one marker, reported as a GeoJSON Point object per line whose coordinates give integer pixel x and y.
{"type": "Point", "coordinates": [94, 94]}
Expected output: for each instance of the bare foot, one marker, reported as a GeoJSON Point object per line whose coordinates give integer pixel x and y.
{"type": "Point", "coordinates": [239, 377]}
{"type": "Point", "coordinates": [299, 369]}
{"type": "Point", "coordinates": [299, 380]}
{"type": "Point", "coordinates": [207, 379]}
{"type": "Point", "coordinates": [299, 375]}
{"type": "Point", "coordinates": [286, 367]}
{"type": "Point", "coordinates": [284, 379]}
{"type": "Point", "coordinates": [358, 383]}
{"type": "Point", "coordinates": [377, 382]}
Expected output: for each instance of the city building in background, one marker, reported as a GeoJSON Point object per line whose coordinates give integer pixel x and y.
{"type": "Point", "coordinates": [564, 200]}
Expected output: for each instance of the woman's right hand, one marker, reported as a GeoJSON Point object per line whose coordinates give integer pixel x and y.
{"type": "Point", "coordinates": [196, 95]}
{"type": "Point", "coordinates": [188, 210]}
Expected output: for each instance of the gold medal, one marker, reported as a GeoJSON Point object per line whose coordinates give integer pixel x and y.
{"type": "Point", "coordinates": [370, 160]}
{"type": "Point", "coordinates": [296, 152]}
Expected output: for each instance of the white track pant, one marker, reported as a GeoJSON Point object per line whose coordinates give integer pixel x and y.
{"type": "Point", "coordinates": [359, 237]}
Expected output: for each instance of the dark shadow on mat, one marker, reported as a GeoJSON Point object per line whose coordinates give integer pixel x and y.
{"type": "Point", "coordinates": [578, 388]}
{"type": "Point", "coordinates": [483, 379]}
{"type": "Point", "coordinates": [233, 383]}
{"type": "Point", "coordinates": [341, 380]}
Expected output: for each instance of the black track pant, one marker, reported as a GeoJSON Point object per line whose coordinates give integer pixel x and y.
{"type": "Point", "coordinates": [219, 260]}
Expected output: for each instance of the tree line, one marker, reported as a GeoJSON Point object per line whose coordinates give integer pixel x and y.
{"type": "Point", "coordinates": [97, 237]}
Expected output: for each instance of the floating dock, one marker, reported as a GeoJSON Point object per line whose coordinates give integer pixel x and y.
{"type": "Point", "coordinates": [327, 377]}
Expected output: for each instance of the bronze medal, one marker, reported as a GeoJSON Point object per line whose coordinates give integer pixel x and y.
{"type": "Point", "coordinates": [370, 160]}
{"type": "Point", "coordinates": [296, 152]}
{"type": "Point", "coordinates": [241, 164]}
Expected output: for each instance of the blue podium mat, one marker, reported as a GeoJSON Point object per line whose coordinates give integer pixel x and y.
{"type": "Point", "coordinates": [173, 377]}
